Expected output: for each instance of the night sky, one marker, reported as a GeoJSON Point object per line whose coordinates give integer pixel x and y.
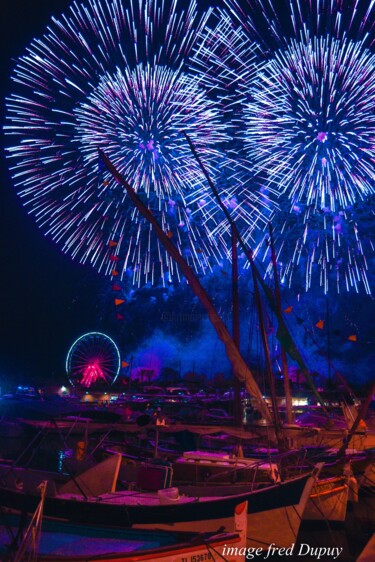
{"type": "Point", "coordinates": [48, 300]}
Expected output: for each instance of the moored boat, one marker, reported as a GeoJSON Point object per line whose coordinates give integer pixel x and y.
{"type": "Point", "coordinates": [56, 541]}
{"type": "Point", "coordinates": [367, 478]}
{"type": "Point", "coordinates": [328, 500]}
{"type": "Point", "coordinates": [92, 497]}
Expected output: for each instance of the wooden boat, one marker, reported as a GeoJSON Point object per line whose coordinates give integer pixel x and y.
{"type": "Point", "coordinates": [284, 519]}
{"type": "Point", "coordinates": [92, 497]}
{"type": "Point", "coordinates": [361, 465]}
{"type": "Point", "coordinates": [367, 477]}
{"type": "Point", "coordinates": [328, 500]}
{"type": "Point", "coordinates": [198, 466]}
{"type": "Point", "coordinates": [51, 541]}
{"type": "Point", "coordinates": [211, 468]}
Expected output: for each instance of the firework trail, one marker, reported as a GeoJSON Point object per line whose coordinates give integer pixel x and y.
{"type": "Point", "coordinates": [273, 23]}
{"type": "Point", "coordinates": [226, 61]}
{"type": "Point", "coordinates": [308, 132]}
{"type": "Point", "coordinates": [108, 76]}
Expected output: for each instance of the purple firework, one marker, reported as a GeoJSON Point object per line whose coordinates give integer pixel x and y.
{"type": "Point", "coordinates": [113, 77]}
{"type": "Point", "coordinates": [226, 61]}
{"type": "Point", "coordinates": [308, 132]}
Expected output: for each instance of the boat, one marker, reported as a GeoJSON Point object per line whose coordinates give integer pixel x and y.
{"type": "Point", "coordinates": [198, 467]}
{"type": "Point", "coordinates": [362, 466]}
{"type": "Point", "coordinates": [328, 500]}
{"type": "Point", "coordinates": [56, 541]}
{"type": "Point", "coordinates": [367, 478]}
{"type": "Point", "coordinates": [67, 425]}
{"type": "Point", "coordinates": [150, 501]}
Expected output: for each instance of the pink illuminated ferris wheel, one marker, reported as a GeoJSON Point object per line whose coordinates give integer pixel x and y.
{"type": "Point", "coordinates": [93, 359]}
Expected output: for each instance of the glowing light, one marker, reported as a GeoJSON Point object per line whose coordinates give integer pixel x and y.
{"type": "Point", "coordinates": [277, 97]}
{"type": "Point", "coordinates": [93, 357]}
{"type": "Point", "coordinates": [92, 373]}
{"type": "Point", "coordinates": [311, 125]}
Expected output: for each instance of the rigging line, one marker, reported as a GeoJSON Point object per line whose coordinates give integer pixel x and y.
{"type": "Point", "coordinates": [236, 359]}
{"type": "Point", "coordinates": [70, 473]}
{"type": "Point", "coordinates": [211, 549]}
{"type": "Point", "coordinates": [296, 336]}
{"type": "Point", "coordinates": [16, 461]}
{"type": "Point", "coordinates": [283, 333]}
{"type": "Point", "coordinates": [101, 440]}
{"type": "Point", "coordinates": [34, 451]}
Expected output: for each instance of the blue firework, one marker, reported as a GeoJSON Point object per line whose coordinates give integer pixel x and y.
{"type": "Point", "coordinates": [113, 77]}
{"type": "Point", "coordinates": [308, 133]}
{"type": "Point", "coordinates": [273, 23]}
{"type": "Point", "coordinates": [310, 124]}
{"type": "Point", "coordinates": [226, 61]}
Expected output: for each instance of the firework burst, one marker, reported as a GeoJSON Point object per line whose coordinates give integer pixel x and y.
{"type": "Point", "coordinates": [225, 62]}
{"type": "Point", "coordinates": [273, 23]}
{"type": "Point", "coordinates": [323, 248]}
{"type": "Point", "coordinates": [309, 132]}
{"type": "Point", "coordinates": [105, 76]}
{"type": "Point", "coordinates": [310, 123]}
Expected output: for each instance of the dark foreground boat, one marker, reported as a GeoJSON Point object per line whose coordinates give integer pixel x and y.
{"type": "Point", "coordinates": [92, 498]}
{"type": "Point", "coordinates": [54, 541]}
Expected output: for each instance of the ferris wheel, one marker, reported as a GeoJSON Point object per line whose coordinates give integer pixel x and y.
{"type": "Point", "coordinates": [93, 359]}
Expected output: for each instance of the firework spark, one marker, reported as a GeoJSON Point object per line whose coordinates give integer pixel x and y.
{"type": "Point", "coordinates": [310, 123]}
{"type": "Point", "coordinates": [273, 23]}
{"type": "Point", "coordinates": [323, 248]}
{"type": "Point", "coordinates": [309, 132]}
{"type": "Point", "coordinates": [110, 77]}
{"type": "Point", "coordinates": [226, 61]}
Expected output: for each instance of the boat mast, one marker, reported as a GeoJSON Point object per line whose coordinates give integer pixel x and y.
{"type": "Point", "coordinates": [239, 366]}
{"type": "Point", "coordinates": [271, 379]}
{"type": "Point", "coordinates": [283, 334]}
{"type": "Point", "coordinates": [237, 405]}
{"type": "Point", "coordinates": [284, 362]}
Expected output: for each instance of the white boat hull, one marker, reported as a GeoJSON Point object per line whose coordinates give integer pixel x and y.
{"type": "Point", "coordinates": [278, 526]}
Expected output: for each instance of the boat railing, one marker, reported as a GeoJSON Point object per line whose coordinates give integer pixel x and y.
{"type": "Point", "coordinates": [31, 537]}
{"type": "Point", "coordinates": [280, 467]}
